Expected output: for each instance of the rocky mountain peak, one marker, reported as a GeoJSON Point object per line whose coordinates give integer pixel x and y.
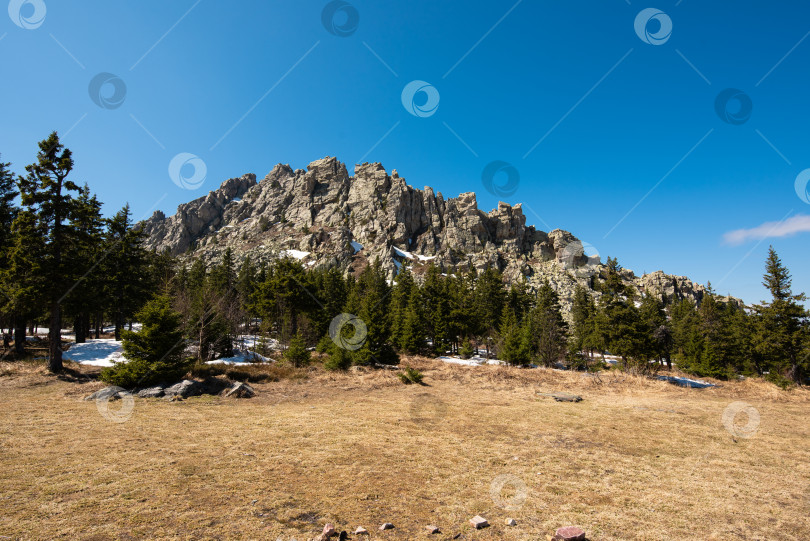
{"type": "Point", "coordinates": [325, 217]}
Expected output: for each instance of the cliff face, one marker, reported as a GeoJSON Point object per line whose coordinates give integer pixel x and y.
{"type": "Point", "coordinates": [323, 216]}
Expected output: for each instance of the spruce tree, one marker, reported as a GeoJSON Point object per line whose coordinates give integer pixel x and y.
{"type": "Point", "coordinates": [155, 353]}
{"type": "Point", "coordinates": [783, 336]}
{"type": "Point", "coordinates": [549, 328]}
{"type": "Point", "coordinates": [85, 297]}
{"type": "Point", "coordinates": [46, 193]}
{"type": "Point", "coordinates": [8, 212]}
{"type": "Point", "coordinates": [126, 268]}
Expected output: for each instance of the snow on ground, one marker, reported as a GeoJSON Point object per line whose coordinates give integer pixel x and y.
{"type": "Point", "coordinates": [475, 360]}
{"type": "Point", "coordinates": [102, 352]}
{"type": "Point", "coordinates": [241, 356]}
{"type": "Point", "coordinates": [409, 255]}
{"type": "Point", "coordinates": [297, 254]}
{"type": "Point", "coordinates": [357, 246]}
{"type": "Point", "coordinates": [686, 382]}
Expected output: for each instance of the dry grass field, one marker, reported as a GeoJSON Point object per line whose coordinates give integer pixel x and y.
{"type": "Point", "coordinates": [636, 459]}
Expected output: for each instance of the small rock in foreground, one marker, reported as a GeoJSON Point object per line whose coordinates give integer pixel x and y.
{"type": "Point", "coordinates": [432, 529]}
{"type": "Point", "coordinates": [569, 533]}
{"type": "Point", "coordinates": [360, 531]}
{"type": "Point", "coordinates": [387, 526]}
{"type": "Point", "coordinates": [108, 393]}
{"type": "Point", "coordinates": [511, 522]}
{"type": "Point", "coordinates": [240, 390]}
{"type": "Point", "coordinates": [479, 522]}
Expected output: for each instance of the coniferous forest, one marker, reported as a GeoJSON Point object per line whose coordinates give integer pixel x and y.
{"type": "Point", "coordinates": [65, 266]}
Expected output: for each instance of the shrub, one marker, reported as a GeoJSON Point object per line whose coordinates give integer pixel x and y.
{"type": "Point", "coordinates": [155, 353]}
{"type": "Point", "coordinates": [410, 375]}
{"type": "Point", "coordinates": [339, 359]}
{"type": "Point", "coordinates": [297, 354]}
{"type": "Point", "coordinates": [466, 350]}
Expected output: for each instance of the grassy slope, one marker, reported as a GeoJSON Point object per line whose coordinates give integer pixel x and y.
{"type": "Point", "coordinates": [636, 459]}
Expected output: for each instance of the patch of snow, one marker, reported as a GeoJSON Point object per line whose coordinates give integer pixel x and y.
{"type": "Point", "coordinates": [101, 352]}
{"type": "Point", "coordinates": [296, 254]}
{"type": "Point", "coordinates": [357, 246]}
{"type": "Point", "coordinates": [242, 356]}
{"type": "Point", "coordinates": [409, 255]}
{"type": "Point", "coordinates": [398, 264]}
{"type": "Point", "coordinates": [475, 360]}
{"type": "Point", "coordinates": [686, 382]}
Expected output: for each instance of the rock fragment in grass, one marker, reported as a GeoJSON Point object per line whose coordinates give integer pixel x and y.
{"type": "Point", "coordinates": [240, 390]}
{"type": "Point", "coordinates": [184, 389]}
{"type": "Point", "coordinates": [511, 522]}
{"type": "Point", "coordinates": [328, 531]}
{"type": "Point", "coordinates": [107, 393]}
{"type": "Point", "coordinates": [478, 522]}
{"type": "Point", "coordinates": [386, 526]}
{"type": "Point", "coordinates": [360, 531]}
{"type": "Point", "coordinates": [569, 533]}
{"type": "Point", "coordinates": [151, 392]}
{"type": "Point", "coordinates": [432, 529]}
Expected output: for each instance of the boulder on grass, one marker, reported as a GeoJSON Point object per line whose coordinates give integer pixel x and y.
{"type": "Point", "coordinates": [108, 393]}
{"type": "Point", "coordinates": [151, 392]}
{"type": "Point", "coordinates": [569, 533]}
{"type": "Point", "coordinates": [478, 522]}
{"type": "Point", "coordinates": [184, 389]}
{"type": "Point", "coordinates": [240, 390]}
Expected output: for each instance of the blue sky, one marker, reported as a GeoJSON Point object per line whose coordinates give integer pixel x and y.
{"type": "Point", "coordinates": [615, 134]}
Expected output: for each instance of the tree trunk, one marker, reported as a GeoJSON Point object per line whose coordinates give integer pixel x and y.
{"type": "Point", "coordinates": [78, 329]}
{"type": "Point", "coordinates": [98, 325]}
{"type": "Point", "coordinates": [19, 336]}
{"type": "Point", "coordinates": [55, 339]}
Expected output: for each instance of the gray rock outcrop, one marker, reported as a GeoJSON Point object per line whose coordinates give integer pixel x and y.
{"type": "Point", "coordinates": [325, 217]}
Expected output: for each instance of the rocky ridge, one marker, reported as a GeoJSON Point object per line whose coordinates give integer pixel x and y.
{"type": "Point", "coordinates": [325, 217]}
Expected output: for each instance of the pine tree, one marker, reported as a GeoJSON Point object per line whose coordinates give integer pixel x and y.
{"type": "Point", "coordinates": [45, 192]}
{"type": "Point", "coordinates": [583, 312]}
{"type": "Point", "coordinates": [297, 354]}
{"type": "Point", "coordinates": [490, 296]}
{"type": "Point", "coordinates": [401, 298]}
{"type": "Point", "coordinates": [783, 324]}
{"type": "Point", "coordinates": [435, 309]}
{"type": "Point", "coordinates": [155, 352]}
{"type": "Point", "coordinates": [8, 212]}
{"type": "Point", "coordinates": [370, 300]}
{"type": "Point", "coordinates": [126, 268]}
{"type": "Point", "coordinates": [549, 328]}
{"type": "Point", "coordinates": [85, 297]}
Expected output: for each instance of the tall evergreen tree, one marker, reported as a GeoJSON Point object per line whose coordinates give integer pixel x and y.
{"type": "Point", "coordinates": [46, 193]}
{"type": "Point", "coordinates": [783, 337]}
{"type": "Point", "coordinates": [549, 328]}
{"type": "Point", "coordinates": [85, 297]}
{"type": "Point", "coordinates": [8, 212]}
{"type": "Point", "coordinates": [126, 268]}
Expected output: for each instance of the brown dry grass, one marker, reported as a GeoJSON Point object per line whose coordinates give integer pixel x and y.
{"type": "Point", "coordinates": [637, 459]}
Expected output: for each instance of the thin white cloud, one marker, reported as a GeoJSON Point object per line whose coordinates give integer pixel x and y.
{"type": "Point", "coordinates": [793, 225]}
